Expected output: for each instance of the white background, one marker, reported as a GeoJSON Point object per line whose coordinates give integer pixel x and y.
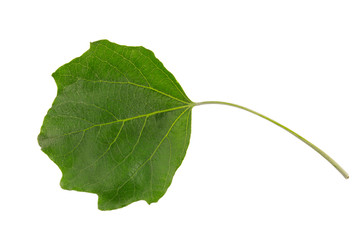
{"type": "Point", "coordinates": [242, 178]}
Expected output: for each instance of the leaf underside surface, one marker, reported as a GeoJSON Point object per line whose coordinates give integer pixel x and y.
{"type": "Point", "coordinates": [119, 126]}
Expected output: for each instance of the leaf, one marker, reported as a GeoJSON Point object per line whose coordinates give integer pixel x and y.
{"type": "Point", "coordinates": [119, 126]}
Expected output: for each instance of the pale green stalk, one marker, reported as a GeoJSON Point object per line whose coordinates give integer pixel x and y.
{"type": "Point", "coordinates": [321, 152]}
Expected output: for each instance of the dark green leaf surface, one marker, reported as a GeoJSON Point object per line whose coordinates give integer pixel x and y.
{"type": "Point", "coordinates": [119, 126]}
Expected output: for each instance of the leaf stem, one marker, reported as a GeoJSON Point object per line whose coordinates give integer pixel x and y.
{"type": "Point", "coordinates": [321, 152]}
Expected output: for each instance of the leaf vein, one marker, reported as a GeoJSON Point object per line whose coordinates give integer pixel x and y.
{"type": "Point", "coordinates": [121, 120]}
{"type": "Point", "coordinates": [103, 154]}
{"type": "Point", "coordinates": [137, 85]}
{"type": "Point", "coordinates": [128, 155]}
{"type": "Point", "coordinates": [77, 145]}
{"type": "Point", "coordinates": [113, 66]}
{"type": "Point", "coordinates": [168, 77]}
{"type": "Point", "coordinates": [169, 168]}
{"type": "Point", "coordinates": [128, 60]}
{"type": "Point", "coordinates": [70, 116]}
{"type": "Point", "coordinates": [151, 156]}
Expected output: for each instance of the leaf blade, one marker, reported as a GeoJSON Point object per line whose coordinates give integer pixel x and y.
{"type": "Point", "coordinates": [113, 117]}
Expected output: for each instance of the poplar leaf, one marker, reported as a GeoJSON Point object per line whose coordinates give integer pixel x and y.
{"type": "Point", "coordinates": [119, 126]}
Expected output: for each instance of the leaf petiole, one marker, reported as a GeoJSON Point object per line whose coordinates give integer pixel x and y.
{"type": "Point", "coordinates": [321, 152]}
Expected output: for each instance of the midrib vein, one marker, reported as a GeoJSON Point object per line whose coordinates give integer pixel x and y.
{"type": "Point", "coordinates": [124, 120]}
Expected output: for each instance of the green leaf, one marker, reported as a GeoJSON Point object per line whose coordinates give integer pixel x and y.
{"type": "Point", "coordinates": [119, 126]}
